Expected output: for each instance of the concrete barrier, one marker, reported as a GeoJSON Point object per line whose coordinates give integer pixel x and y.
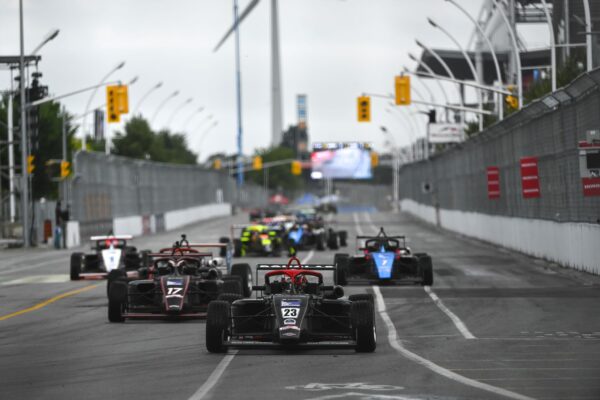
{"type": "Point", "coordinates": [567, 243]}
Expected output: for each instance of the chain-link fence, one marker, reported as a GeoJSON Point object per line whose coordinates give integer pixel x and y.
{"type": "Point", "coordinates": [106, 186]}
{"type": "Point", "coordinates": [548, 129]}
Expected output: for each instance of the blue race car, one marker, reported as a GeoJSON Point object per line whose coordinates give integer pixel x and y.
{"type": "Point", "coordinates": [384, 259]}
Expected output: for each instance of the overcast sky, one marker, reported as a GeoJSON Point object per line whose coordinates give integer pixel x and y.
{"type": "Point", "coordinates": [332, 50]}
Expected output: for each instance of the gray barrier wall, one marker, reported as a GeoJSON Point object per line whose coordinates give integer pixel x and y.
{"type": "Point", "coordinates": [105, 187]}
{"type": "Point", "coordinates": [458, 177]}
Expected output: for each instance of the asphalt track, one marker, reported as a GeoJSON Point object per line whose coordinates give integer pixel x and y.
{"type": "Point", "coordinates": [494, 325]}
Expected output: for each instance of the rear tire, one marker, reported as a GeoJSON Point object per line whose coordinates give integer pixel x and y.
{"type": "Point", "coordinates": [237, 248]}
{"type": "Point", "coordinates": [217, 323]}
{"type": "Point", "coordinates": [341, 266]}
{"type": "Point", "coordinates": [332, 243]}
{"type": "Point", "coordinates": [343, 235]}
{"type": "Point", "coordinates": [320, 242]}
{"type": "Point", "coordinates": [232, 287]}
{"type": "Point", "coordinates": [117, 297]}
{"type": "Point", "coordinates": [76, 263]}
{"type": "Point", "coordinates": [362, 297]}
{"type": "Point", "coordinates": [245, 273]}
{"type": "Point", "coordinates": [426, 270]}
{"type": "Point", "coordinates": [363, 323]}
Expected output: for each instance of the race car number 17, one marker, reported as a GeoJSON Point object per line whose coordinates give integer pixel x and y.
{"type": "Point", "coordinates": [290, 312]}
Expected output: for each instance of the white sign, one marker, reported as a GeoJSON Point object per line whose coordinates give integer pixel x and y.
{"type": "Point", "coordinates": [446, 133]}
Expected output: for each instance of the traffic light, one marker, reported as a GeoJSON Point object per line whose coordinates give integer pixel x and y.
{"type": "Point", "coordinates": [432, 116]}
{"type": "Point", "coordinates": [30, 164]}
{"type": "Point", "coordinates": [257, 163]}
{"type": "Point", "coordinates": [112, 104]}
{"type": "Point", "coordinates": [364, 109]}
{"type": "Point", "coordinates": [511, 101]}
{"type": "Point", "coordinates": [123, 99]}
{"type": "Point", "coordinates": [65, 169]}
{"type": "Point", "coordinates": [217, 163]}
{"type": "Point", "coordinates": [402, 85]}
{"type": "Point", "coordinates": [296, 168]}
{"type": "Point", "coordinates": [374, 159]}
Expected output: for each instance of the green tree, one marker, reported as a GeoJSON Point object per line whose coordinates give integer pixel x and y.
{"type": "Point", "coordinates": [279, 176]}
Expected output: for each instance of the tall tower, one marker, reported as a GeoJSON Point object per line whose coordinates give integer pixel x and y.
{"type": "Point", "coordinates": [276, 107]}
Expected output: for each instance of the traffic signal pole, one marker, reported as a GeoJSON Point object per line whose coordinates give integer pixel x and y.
{"type": "Point", "coordinates": [24, 177]}
{"type": "Point", "coordinates": [238, 78]}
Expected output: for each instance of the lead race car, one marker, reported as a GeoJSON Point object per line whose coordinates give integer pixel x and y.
{"type": "Point", "coordinates": [294, 308]}
{"type": "Point", "coordinates": [111, 253]}
{"type": "Point", "coordinates": [384, 259]}
{"type": "Point", "coordinates": [179, 284]}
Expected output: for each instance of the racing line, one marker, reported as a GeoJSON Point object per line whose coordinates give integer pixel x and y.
{"type": "Point", "coordinates": [462, 328]}
{"type": "Point", "coordinates": [220, 369]}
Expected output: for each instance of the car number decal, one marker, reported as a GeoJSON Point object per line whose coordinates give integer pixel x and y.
{"type": "Point", "coordinates": [290, 312]}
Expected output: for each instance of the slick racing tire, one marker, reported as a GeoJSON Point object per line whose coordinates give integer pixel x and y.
{"type": "Point", "coordinates": [362, 297]}
{"type": "Point", "coordinates": [341, 268]}
{"type": "Point", "coordinates": [76, 262]}
{"type": "Point", "coordinates": [426, 270]}
{"type": "Point", "coordinates": [116, 275]}
{"type": "Point", "coordinates": [217, 323]}
{"type": "Point", "coordinates": [332, 241]}
{"type": "Point", "coordinates": [229, 297]}
{"type": "Point", "coordinates": [117, 297]}
{"type": "Point", "coordinates": [223, 250]}
{"type": "Point", "coordinates": [245, 273]}
{"type": "Point", "coordinates": [320, 242]}
{"type": "Point", "coordinates": [343, 235]}
{"type": "Point", "coordinates": [232, 287]}
{"type": "Point", "coordinates": [237, 248]}
{"type": "Point", "coordinates": [363, 323]}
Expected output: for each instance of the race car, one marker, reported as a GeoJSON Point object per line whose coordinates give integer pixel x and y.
{"type": "Point", "coordinates": [178, 285]}
{"type": "Point", "coordinates": [110, 253]}
{"type": "Point", "coordinates": [257, 240]}
{"type": "Point", "coordinates": [295, 309]}
{"type": "Point", "coordinates": [384, 259]}
{"type": "Point", "coordinates": [309, 232]}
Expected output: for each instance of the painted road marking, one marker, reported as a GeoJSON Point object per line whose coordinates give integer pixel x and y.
{"type": "Point", "coordinates": [395, 343]}
{"type": "Point", "coordinates": [318, 387]}
{"type": "Point", "coordinates": [357, 224]}
{"type": "Point", "coordinates": [38, 279]}
{"type": "Point", "coordinates": [47, 302]}
{"type": "Point", "coordinates": [214, 377]}
{"type": "Point", "coordinates": [462, 328]}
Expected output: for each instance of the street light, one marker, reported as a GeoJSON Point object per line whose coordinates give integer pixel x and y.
{"type": "Point", "coordinates": [50, 36]}
{"type": "Point", "coordinates": [489, 44]}
{"type": "Point", "coordinates": [513, 38]}
{"type": "Point", "coordinates": [87, 107]}
{"type": "Point", "coordinates": [165, 101]}
{"type": "Point", "coordinates": [430, 71]}
{"type": "Point", "coordinates": [448, 71]}
{"type": "Point", "coordinates": [145, 96]}
{"type": "Point", "coordinates": [178, 109]}
{"type": "Point", "coordinates": [396, 181]}
{"type": "Point", "coordinates": [206, 119]}
{"type": "Point", "coordinates": [586, 7]}
{"type": "Point", "coordinates": [469, 62]}
{"type": "Point", "coordinates": [192, 115]}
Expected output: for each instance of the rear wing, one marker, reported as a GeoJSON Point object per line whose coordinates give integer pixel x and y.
{"type": "Point", "coordinates": [118, 237]}
{"type": "Point", "coordinates": [400, 238]}
{"type": "Point", "coordinates": [328, 271]}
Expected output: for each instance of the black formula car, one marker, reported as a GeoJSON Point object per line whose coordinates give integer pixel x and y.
{"type": "Point", "coordinates": [295, 309]}
{"type": "Point", "coordinates": [110, 253]}
{"type": "Point", "coordinates": [178, 285]}
{"type": "Point", "coordinates": [311, 232]}
{"type": "Point", "coordinates": [256, 240]}
{"type": "Point", "coordinates": [384, 259]}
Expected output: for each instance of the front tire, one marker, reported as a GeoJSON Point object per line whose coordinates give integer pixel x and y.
{"type": "Point", "coordinates": [343, 235]}
{"type": "Point", "coordinates": [426, 270]}
{"type": "Point", "coordinates": [245, 273]}
{"type": "Point", "coordinates": [232, 287]}
{"type": "Point", "coordinates": [217, 324]}
{"type": "Point", "coordinates": [117, 298]}
{"type": "Point", "coordinates": [341, 266]}
{"type": "Point", "coordinates": [363, 322]}
{"type": "Point", "coordinates": [76, 264]}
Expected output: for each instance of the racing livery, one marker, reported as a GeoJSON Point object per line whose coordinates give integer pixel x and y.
{"type": "Point", "coordinates": [295, 309]}
{"type": "Point", "coordinates": [384, 259]}
{"type": "Point", "coordinates": [111, 253]}
{"type": "Point", "coordinates": [257, 240]}
{"type": "Point", "coordinates": [310, 232]}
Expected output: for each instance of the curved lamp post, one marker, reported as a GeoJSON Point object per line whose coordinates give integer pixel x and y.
{"type": "Point", "coordinates": [145, 96]}
{"type": "Point", "coordinates": [192, 115]}
{"type": "Point", "coordinates": [178, 109]}
{"type": "Point", "coordinates": [164, 102]}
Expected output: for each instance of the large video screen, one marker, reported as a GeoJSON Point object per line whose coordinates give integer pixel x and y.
{"type": "Point", "coordinates": [341, 161]}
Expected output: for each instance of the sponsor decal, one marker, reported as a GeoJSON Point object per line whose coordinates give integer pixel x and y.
{"type": "Point", "coordinates": [530, 181]}
{"type": "Point", "coordinates": [176, 282]}
{"type": "Point", "coordinates": [290, 303]}
{"type": "Point", "coordinates": [289, 321]}
{"type": "Point", "coordinates": [288, 334]}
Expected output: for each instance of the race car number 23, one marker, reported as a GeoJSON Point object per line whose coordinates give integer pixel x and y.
{"type": "Point", "coordinates": [290, 312]}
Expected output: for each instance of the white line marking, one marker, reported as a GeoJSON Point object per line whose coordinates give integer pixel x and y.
{"type": "Point", "coordinates": [308, 257]}
{"type": "Point", "coordinates": [214, 377]}
{"type": "Point", "coordinates": [367, 217]}
{"type": "Point", "coordinates": [393, 340]}
{"type": "Point", "coordinates": [39, 279]}
{"type": "Point", "coordinates": [462, 328]}
{"type": "Point", "coordinates": [357, 224]}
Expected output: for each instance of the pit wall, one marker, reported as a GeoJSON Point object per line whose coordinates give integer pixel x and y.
{"type": "Point", "coordinates": [570, 244]}
{"type": "Point", "coordinates": [139, 225]}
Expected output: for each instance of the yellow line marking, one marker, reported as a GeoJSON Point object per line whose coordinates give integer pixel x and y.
{"type": "Point", "coordinates": [49, 301]}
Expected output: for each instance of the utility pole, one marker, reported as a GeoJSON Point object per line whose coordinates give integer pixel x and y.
{"type": "Point", "coordinates": [24, 177]}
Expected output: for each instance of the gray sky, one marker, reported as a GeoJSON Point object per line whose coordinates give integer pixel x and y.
{"type": "Point", "coordinates": [332, 50]}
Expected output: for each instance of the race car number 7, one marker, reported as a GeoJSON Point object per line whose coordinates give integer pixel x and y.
{"type": "Point", "coordinates": [290, 312]}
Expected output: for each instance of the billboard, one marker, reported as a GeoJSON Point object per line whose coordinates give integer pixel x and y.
{"type": "Point", "coordinates": [341, 161]}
